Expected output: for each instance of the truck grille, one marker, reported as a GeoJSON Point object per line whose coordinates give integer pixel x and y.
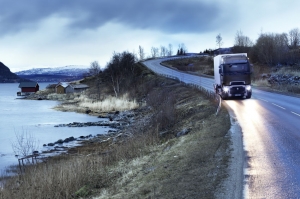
{"type": "Point", "coordinates": [237, 83]}
{"type": "Point", "coordinates": [237, 90]}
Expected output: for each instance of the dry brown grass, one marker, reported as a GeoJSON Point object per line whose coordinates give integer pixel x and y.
{"type": "Point", "coordinates": [82, 103]}
{"type": "Point", "coordinates": [185, 167]}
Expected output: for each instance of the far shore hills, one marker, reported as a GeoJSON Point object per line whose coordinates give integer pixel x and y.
{"type": "Point", "coordinates": [57, 74]}
{"type": "Point", "coordinates": [6, 76]}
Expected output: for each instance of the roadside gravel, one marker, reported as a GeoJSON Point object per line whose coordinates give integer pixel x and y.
{"type": "Point", "coordinates": [232, 186]}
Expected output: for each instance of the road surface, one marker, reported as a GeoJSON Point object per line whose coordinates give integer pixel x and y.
{"type": "Point", "coordinates": [270, 125]}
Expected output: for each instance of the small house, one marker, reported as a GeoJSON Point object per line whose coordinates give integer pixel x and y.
{"type": "Point", "coordinates": [76, 88]}
{"type": "Point", "coordinates": [61, 87]}
{"type": "Point", "coordinates": [28, 88]}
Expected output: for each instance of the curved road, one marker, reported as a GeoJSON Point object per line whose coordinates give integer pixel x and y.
{"type": "Point", "coordinates": [270, 126]}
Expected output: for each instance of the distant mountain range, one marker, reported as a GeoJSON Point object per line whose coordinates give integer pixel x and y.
{"type": "Point", "coordinates": [6, 76]}
{"type": "Point", "coordinates": [57, 74]}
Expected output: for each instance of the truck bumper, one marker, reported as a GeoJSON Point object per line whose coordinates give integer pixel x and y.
{"type": "Point", "coordinates": [237, 91]}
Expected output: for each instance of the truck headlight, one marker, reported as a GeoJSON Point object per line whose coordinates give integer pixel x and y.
{"type": "Point", "coordinates": [226, 89]}
{"type": "Point", "coordinates": [248, 88]}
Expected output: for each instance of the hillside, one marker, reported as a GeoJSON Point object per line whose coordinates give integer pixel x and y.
{"type": "Point", "coordinates": [6, 76]}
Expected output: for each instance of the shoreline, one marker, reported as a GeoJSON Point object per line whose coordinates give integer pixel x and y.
{"type": "Point", "coordinates": [116, 121]}
{"type": "Point", "coordinates": [65, 145]}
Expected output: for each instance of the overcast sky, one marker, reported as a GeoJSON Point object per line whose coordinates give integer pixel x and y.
{"type": "Point", "coordinates": [51, 33]}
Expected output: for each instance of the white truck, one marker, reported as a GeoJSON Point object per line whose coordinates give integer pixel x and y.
{"type": "Point", "coordinates": [232, 75]}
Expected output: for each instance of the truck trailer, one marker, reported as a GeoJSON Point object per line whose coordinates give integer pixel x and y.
{"type": "Point", "coordinates": [232, 75]}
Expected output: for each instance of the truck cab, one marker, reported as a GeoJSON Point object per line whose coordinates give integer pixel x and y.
{"type": "Point", "coordinates": [232, 74]}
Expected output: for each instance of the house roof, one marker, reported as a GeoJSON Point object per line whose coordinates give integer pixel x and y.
{"type": "Point", "coordinates": [63, 84]}
{"type": "Point", "coordinates": [78, 86]}
{"type": "Point", "coordinates": [28, 84]}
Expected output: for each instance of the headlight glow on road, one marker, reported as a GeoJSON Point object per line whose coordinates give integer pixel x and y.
{"type": "Point", "coordinates": [256, 129]}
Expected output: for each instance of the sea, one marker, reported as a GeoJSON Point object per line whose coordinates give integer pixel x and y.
{"type": "Point", "coordinates": [35, 119]}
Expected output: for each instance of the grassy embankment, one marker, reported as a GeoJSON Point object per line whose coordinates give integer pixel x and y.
{"type": "Point", "coordinates": [153, 162]}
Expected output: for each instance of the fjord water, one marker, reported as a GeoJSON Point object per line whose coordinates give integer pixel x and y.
{"type": "Point", "coordinates": [36, 118]}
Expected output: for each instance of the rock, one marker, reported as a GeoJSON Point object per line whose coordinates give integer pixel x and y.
{"type": "Point", "coordinates": [102, 116]}
{"type": "Point", "coordinates": [281, 79]}
{"type": "Point", "coordinates": [69, 139]}
{"type": "Point", "coordinates": [88, 111]}
{"type": "Point", "coordinates": [112, 133]}
{"type": "Point", "coordinates": [51, 144]}
{"type": "Point", "coordinates": [112, 124]}
{"type": "Point", "coordinates": [183, 132]}
{"type": "Point", "coordinates": [123, 123]}
{"type": "Point", "coordinates": [60, 141]}
{"type": "Point", "coordinates": [265, 75]}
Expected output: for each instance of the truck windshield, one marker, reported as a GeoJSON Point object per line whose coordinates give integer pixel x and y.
{"type": "Point", "coordinates": [241, 68]}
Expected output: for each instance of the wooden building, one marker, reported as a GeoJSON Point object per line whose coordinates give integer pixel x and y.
{"type": "Point", "coordinates": [28, 88]}
{"type": "Point", "coordinates": [76, 88]}
{"type": "Point", "coordinates": [61, 87]}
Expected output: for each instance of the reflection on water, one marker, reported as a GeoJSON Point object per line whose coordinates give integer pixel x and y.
{"type": "Point", "coordinates": [38, 119]}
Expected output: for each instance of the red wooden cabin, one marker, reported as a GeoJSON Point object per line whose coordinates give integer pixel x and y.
{"type": "Point", "coordinates": [29, 87]}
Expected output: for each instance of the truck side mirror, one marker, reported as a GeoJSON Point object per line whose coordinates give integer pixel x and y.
{"type": "Point", "coordinates": [220, 71]}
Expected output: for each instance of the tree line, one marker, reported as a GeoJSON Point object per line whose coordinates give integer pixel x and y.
{"type": "Point", "coordinates": [272, 49]}
{"type": "Point", "coordinates": [161, 51]}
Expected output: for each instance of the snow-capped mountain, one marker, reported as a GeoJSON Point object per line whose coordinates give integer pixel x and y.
{"type": "Point", "coordinates": [57, 74]}
{"type": "Point", "coordinates": [64, 70]}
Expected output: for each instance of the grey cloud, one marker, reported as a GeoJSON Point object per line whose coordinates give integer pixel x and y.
{"type": "Point", "coordinates": [176, 16]}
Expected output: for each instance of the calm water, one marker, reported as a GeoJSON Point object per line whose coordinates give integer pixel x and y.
{"type": "Point", "coordinates": [37, 118]}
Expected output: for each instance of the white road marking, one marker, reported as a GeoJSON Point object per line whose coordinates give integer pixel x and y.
{"type": "Point", "coordinates": [263, 100]}
{"type": "Point", "coordinates": [295, 113]}
{"type": "Point", "coordinates": [278, 106]}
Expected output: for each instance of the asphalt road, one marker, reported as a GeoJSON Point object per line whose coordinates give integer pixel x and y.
{"type": "Point", "coordinates": [270, 126]}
